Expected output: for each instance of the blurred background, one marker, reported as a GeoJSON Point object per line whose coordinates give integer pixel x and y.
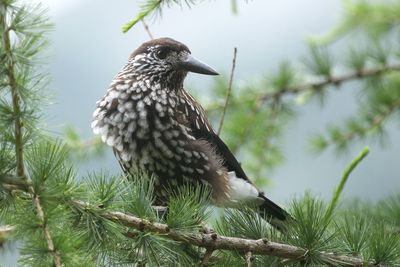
{"type": "Point", "coordinates": [88, 48]}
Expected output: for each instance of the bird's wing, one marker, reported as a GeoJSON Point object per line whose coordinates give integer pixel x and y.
{"type": "Point", "coordinates": [202, 129]}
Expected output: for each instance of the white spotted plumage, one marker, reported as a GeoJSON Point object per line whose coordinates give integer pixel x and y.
{"type": "Point", "coordinates": [153, 124]}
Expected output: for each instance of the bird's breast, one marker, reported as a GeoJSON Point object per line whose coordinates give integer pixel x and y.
{"type": "Point", "coordinates": [137, 119]}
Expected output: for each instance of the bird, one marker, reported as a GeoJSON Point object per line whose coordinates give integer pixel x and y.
{"type": "Point", "coordinates": [152, 123]}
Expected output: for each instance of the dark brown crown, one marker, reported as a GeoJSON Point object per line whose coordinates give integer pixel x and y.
{"type": "Point", "coordinates": [166, 43]}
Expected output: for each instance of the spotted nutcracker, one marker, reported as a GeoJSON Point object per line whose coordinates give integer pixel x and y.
{"type": "Point", "coordinates": [152, 123]}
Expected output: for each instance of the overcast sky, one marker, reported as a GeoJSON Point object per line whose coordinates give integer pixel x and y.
{"type": "Point", "coordinates": [88, 49]}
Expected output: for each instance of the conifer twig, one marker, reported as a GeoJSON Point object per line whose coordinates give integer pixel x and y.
{"type": "Point", "coordinates": [248, 256]}
{"type": "Point", "coordinates": [12, 82]}
{"type": "Point", "coordinates": [332, 80]}
{"type": "Point", "coordinates": [147, 29]}
{"type": "Point", "coordinates": [49, 240]}
{"type": "Point", "coordinates": [228, 92]}
{"type": "Point", "coordinates": [375, 122]}
{"type": "Point", "coordinates": [145, 11]}
{"type": "Point", "coordinates": [206, 257]}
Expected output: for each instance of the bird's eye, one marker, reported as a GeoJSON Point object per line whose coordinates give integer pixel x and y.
{"type": "Point", "coordinates": [162, 53]}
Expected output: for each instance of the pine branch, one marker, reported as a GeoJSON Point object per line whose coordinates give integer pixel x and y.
{"type": "Point", "coordinates": [332, 80]}
{"type": "Point", "coordinates": [11, 72]}
{"type": "Point", "coordinates": [147, 8]}
{"type": "Point", "coordinates": [248, 258]}
{"type": "Point", "coordinates": [377, 120]}
{"type": "Point", "coordinates": [49, 240]}
{"type": "Point", "coordinates": [219, 242]}
{"type": "Point", "coordinates": [206, 258]}
{"type": "Point", "coordinates": [12, 82]}
{"type": "Point", "coordinates": [212, 241]}
{"type": "Point", "coordinates": [373, 123]}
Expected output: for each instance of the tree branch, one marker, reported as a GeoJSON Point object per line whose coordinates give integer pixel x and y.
{"type": "Point", "coordinates": [213, 241]}
{"type": "Point", "coordinates": [206, 257]}
{"type": "Point", "coordinates": [248, 258]}
{"type": "Point", "coordinates": [49, 240]}
{"type": "Point", "coordinates": [375, 122]}
{"type": "Point", "coordinates": [18, 131]}
{"type": "Point", "coordinates": [332, 80]}
{"type": "Point", "coordinates": [22, 183]}
{"type": "Point", "coordinates": [12, 82]}
{"type": "Point", "coordinates": [218, 242]}
{"type": "Point", "coordinates": [228, 92]}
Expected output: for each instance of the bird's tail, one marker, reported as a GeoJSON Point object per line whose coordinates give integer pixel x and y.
{"type": "Point", "coordinates": [274, 214]}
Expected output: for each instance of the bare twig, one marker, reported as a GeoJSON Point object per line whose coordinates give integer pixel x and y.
{"type": "Point", "coordinates": [214, 241]}
{"type": "Point", "coordinates": [332, 80]}
{"type": "Point", "coordinates": [248, 258]}
{"type": "Point", "coordinates": [14, 182]}
{"type": "Point", "coordinates": [206, 257]}
{"type": "Point", "coordinates": [47, 235]}
{"type": "Point", "coordinates": [228, 91]}
{"type": "Point", "coordinates": [147, 29]}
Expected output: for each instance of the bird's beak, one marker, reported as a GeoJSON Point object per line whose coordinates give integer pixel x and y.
{"type": "Point", "coordinates": [194, 65]}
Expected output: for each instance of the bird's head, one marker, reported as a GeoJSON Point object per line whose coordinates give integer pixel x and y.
{"type": "Point", "coordinates": [165, 59]}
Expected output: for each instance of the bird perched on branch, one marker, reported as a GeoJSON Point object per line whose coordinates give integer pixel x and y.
{"type": "Point", "coordinates": [152, 123]}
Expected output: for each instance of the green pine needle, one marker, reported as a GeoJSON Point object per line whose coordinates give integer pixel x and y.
{"type": "Point", "coordinates": [188, 207]}
{"type": "Point", "coordinates": [137, 195]}
{"type": "Point", "coordinates": [320, 61]}
{"type": "Point", "coordinates": [373, 19]}
{"type": "Point", "coordinates": [389, 210]}
{"type": "Point", "coordinates": [103, 189]}
{"type": "Point", "coordinates": [383, 245]}
{"type": "Point", "coordinates": [7, 162]}
{"type": "Point", "coordinates": [353, 233]}
{"type": "Point", "coordinates": [45, 160]}
{"type": "Point", "coordinates": [284, 78]}
{"type": "Point", "coordinates": [146, 9]}
{"type": "Point", "coordinates": [310, 228]}
{"type": "Point", "coordinates": [244, 222]}
{"type": "Point", "coordinates": [150, 7]}
{"type": "Point", "coordinates": [357, 58]}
